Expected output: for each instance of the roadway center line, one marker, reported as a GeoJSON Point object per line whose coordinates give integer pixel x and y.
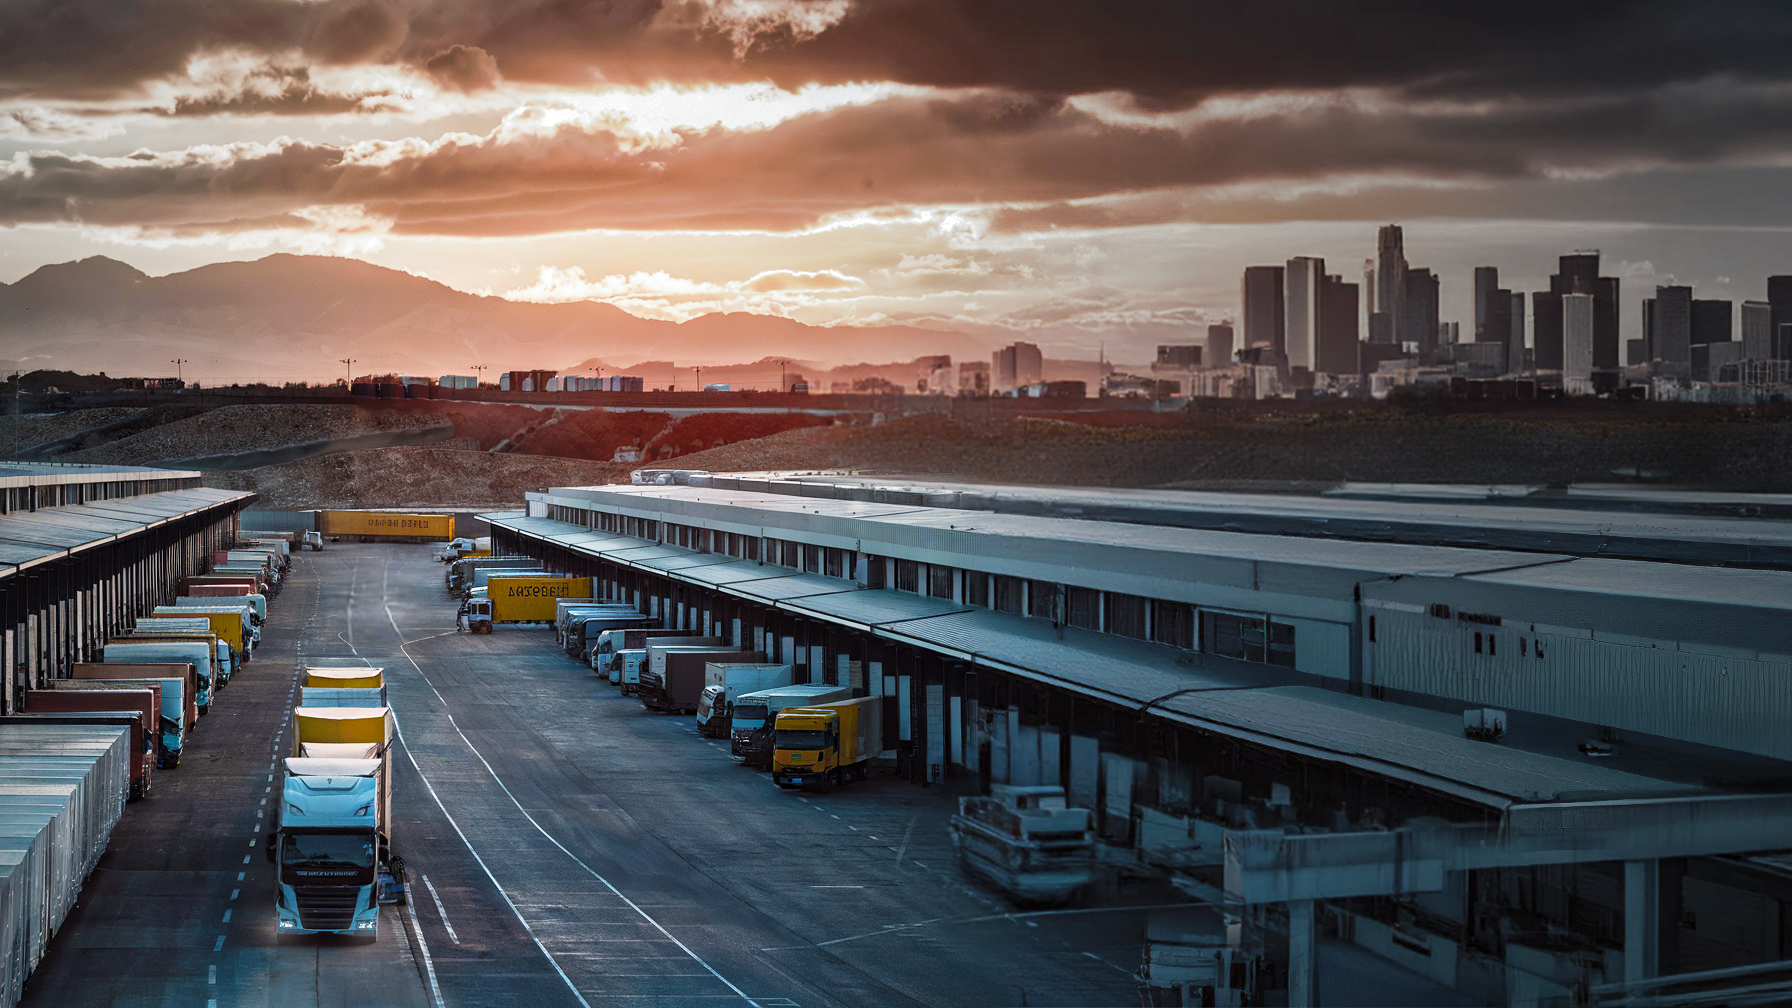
{"type": "Point", "coordinates": [429, 966]}
{"type": "Point", "coordinates": [661, 928]}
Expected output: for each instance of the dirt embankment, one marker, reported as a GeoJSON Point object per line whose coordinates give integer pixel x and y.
{"type": "Point", "coordinates": [1386, 446]}
{"type": "Point", "coordinates": [234, 429]}
{"type": "Point", "coordinates": [40, 428]}
{"type": "Point", "coordinates": [392, 477]}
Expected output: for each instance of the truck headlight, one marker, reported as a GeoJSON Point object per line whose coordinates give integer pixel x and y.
{"type": "Point", "coordinates": [366, 925]}
{"type": "Point", "coordinates": [363, 810]}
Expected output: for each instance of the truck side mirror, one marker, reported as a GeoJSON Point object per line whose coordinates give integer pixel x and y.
{"type": "Point", "coordinates": [273, 838]}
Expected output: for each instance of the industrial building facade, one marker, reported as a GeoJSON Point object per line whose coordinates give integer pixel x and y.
{"type": "Point", "coordinates": [1282, 719]}
{"type": "Point", "coordinates": [83, 548]}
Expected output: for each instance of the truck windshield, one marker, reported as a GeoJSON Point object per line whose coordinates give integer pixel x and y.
{"type": "Point", "coordinates": [749, 715]}
{"type": "Point", "coordinates": [793, 738]}
{"type": "Point", "coordinates": [333, 850]}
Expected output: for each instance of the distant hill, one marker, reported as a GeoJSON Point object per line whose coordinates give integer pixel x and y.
{"type": "Point", "coordinates": [289, 317]}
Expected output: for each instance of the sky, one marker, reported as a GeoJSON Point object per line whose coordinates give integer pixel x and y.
{"type": "Point", "coordinates": [1089, 176]}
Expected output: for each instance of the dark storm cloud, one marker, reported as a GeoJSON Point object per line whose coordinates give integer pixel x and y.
{"type": "Point", "coordinates": [890, 154]}
{"type": "Point", "coordinates": [1168, 53]}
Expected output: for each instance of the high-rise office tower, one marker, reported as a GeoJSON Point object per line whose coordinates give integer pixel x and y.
{"type": "Point", "coordinates": [1578, 321]}
{"type": "Point", "coordinates": [1779, 296]}
{"type": "Point", "coordinates": [1671, 331]}
{"type": "Point", "coordinates": [1219, 345]}
{"type": "Point", "coordinates": [1301, 281]}
{"type": "Point", "coordinates": [1368, 296]}
{"type": "Point", "coordinates": [1576, 273]}
{"type": "Point", "coordinates": [1515, 341]}
{"type": "Point", "coordinates": [1757, 330]}
{"type": "Point", "coordinates": [1263, 307]}
{"type": "Point", "coordinates": [1390, 280]}
{"type": "Point", "coordinates": [1712, 322]}
{"type": "Point", "coordinates": [1648, 330]}
{"type": "Point", "coordinates": [1487, 280]}
{"type": "Point", "coordinates": [1420, 323]}
{"type": "Point", "coordinates": [1016, 365]}
{"type": "Point", "coordinates": [1499, 325]}
{"type": "Point", "coordinates": [1606, 345]}
{"type": "Point", "coordinates": [1546, 330]}
{"type": "Point", "coordinates": [1339, 331]}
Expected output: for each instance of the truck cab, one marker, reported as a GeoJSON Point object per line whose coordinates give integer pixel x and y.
{"type": "Point", "coordinates": [329, 846]}
{"type": "Point", "coordinates": [806, 747]}
{"type": "Point", "coordinates": [476, 615]}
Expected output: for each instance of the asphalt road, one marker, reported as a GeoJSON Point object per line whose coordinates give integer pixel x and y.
{"type": "Point", "coordinates": [565, 848]}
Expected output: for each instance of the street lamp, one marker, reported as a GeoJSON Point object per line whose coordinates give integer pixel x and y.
{"type": "Point", "coordinates": [179, 375]}
{"type": "Point", "coordinates": [348, 371]}
{"type": "Point", "coordinates": [479, 374]}
{"type": "Point", "coordinates": [600, 377]}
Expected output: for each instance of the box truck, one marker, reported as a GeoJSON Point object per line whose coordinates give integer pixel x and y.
{"type": "Point", "coordinates": [522, 599]}
{"type": "Point", "coordinates": [140, 709]}
{"type": "Point", "coordinates": [173, 706]}
{"type": "Point", "coordinates": [200, 654]}
{"type": "Point", "coordinates": [724, 682]}
{"type": "Point", "coordinates": [625, 667]}
{"type": "Point", "coordinates": [204, 595]}
{"type": "Point", "coordinates": [463, 546]}
{"type": "Point", "coordinates": [332, 829]}
{"type": "Point", "coordinates": [750, 727]}
{"type": "Point", "coordinates": [828, 744]}
{"type": "Point", "coordinates": [345, 677]}
{"type": "Point", "coordinates": [231, 621]}
{"type": "Point", "coordinates": [583, 629]}
{"type": "Point", "coordinates": [673, 681]}
{"type": "Point", "coordinates": [460, 572]}
{"type": "Point", "coordinates": [610, 641]}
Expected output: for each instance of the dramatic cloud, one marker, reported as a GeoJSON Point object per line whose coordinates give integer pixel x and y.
{"type": "Point", "coordinates": [661, 295]}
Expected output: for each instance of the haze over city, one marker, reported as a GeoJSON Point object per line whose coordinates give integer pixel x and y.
{"type": "Point", "coordinates": [1034, 171]}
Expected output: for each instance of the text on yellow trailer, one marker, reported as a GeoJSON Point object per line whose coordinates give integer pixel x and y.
{"type": "Point", "coordinates": [386, 523]}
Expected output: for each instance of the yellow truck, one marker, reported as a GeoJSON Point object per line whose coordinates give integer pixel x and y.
{"type": "Point", "coordinates": [351, 677]}
{"type": "Point", "coordinates": [230, 622]}
{"type": "Point", "coordinates": [524, 598]}
{"type": "Point", "coordinates": [828, 744]}
{"type": "Point", "coordinates": [386, 524]}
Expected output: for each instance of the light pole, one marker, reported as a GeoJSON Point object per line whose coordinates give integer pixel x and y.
{"type": "Point", "coordinates": [479, 373]}
{"type": "Point", "coordinates": [600, 377]}
{"type": "Point", "coordinates": [348, 372]}
{"type": "Point", "coordinates": [782, 363]}
{"type": "Point", "coordinates": [699, 377]}
{"type": "Point", "coordinates": [180, 375]}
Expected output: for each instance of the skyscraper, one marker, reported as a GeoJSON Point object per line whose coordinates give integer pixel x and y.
{"type": "Point", "coordinates": [1757, 330]}
{"type": "Point", "coordinates": [1515, 337]}
{"type": "Point", "coordinates": [1339, 331]}
{"type": "Point", "coordinates": [1016, 365]}
{"type": "Point", "coordinates": [1499, 325]}
{"type": "Point", "coordinates": [1219, 345]}
{"type": "Point", "coordinates": [1301, 281]}
{"type": "Point", "coordinates": [1578, 321]}
{"type": "Point", "coordinates": [1390, 281]}
{"type": "Point", "coordinates": [1546, 330]}
{"type": "Point", "coordinates": [1368, 297]}
{"type": "Point", "coordinates": [1487, 280]}
{"type": "Point", "coordinates": [1420, 323]}
{"type": "Point", "coordinates": [1779, 296]}
{"type": "Point", "coordinates": [1263, 307]}
{"type": "Point", "coordinates": [1712, 322]}
{"type": "Point", "coordinates": [1672, 332]}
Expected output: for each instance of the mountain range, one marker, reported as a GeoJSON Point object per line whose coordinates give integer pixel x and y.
{"type": "Point", "coordinates": [296, 318]}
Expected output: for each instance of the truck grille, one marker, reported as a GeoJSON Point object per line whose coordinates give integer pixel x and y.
{"type": "Point", "coordinates": [327, 908]}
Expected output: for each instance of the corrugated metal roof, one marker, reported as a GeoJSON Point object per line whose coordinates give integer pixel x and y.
{"type": "Point", "coordinates": [875, 607]}
{"type": "Point", "coordinates": [794, 586]}
{"type": "Point", "coordinates": [731, 573]}
{"type": "Point", "coordinates": [28, 537]}
{"type": "Point", "coordinates": [1412, 743]}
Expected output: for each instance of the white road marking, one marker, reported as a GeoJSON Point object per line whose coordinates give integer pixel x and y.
{"type": "Point", "coordinates": [234, 893]}
{"type": "Point", "coordinates": [661, 928]}
{"type": "Point", "coordinates": [218, 945]}
{"type": "Point", "coordinates": [239, 876]}
{"type": "Point", "coordinates": [226, 917]}
{"type": "Point", "coordinates": [431, 886]}
{"type": "Point", "coordinates": [245, 859]}
{"type": "Point", "coordinates": [429, 965]}
{"type": "Point", "coordinates": [211, 976]}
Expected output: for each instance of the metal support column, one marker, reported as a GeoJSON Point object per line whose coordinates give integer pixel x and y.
{"type": "Point", "coordinates": [1303, 955]}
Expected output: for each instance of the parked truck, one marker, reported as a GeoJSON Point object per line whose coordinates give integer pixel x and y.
{"type": "Point", "coordinates": [141, 707]}
{"type": "Point", "coordinates": [829, 744]}
{"type": "Point", "coordinates": [724, 682]}
{"type": "Point", "coordinates": [672, 682]}
{"type": "Point", "coordinates": [460, 572]}
{"type": "Point", "coordinates": [249, 581]}
{"type": "Point", "coordinates": [231, 620]}
{"type": "Point", "coordinates": [1026, 841]}
{"type": "Point", "coordinates": [754, 718]}
{"type": "Point", "coordinates": [522, 599]}
{"type": "Point", "coordinates": [204, 595]}
{"type": "Point", "coordinates": [584, 629]}
{"type": "Point", "coordinates": [332, 827]}
{"type": "Point", "coordinates": [464, 546]}
{"type": "Point", "coordinates": [212, 678]}
{"type": "Point", "coordinates": [610, 641]}
{"type": "Point", "coordinates": [174, 699]}
{"type": "Point", "coordinates": [345, 677]}
{"type": "Point", "coordinates": [200, 654]}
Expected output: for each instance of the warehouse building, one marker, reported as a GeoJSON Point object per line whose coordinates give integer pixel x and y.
{"type": "Point", "coordinates": [1511, 770]}
{"type": "Point", "coordinates": [84, 548]}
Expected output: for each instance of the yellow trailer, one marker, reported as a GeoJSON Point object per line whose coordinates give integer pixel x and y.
{"type": "Point", "coordinates": [524, 598]}
{"type": "Point", "coordinates": [358, 726]}
{"type": "Point", "coordinates": [344, 678]}
{"type": "Point", "coordinates": [389, 524]}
